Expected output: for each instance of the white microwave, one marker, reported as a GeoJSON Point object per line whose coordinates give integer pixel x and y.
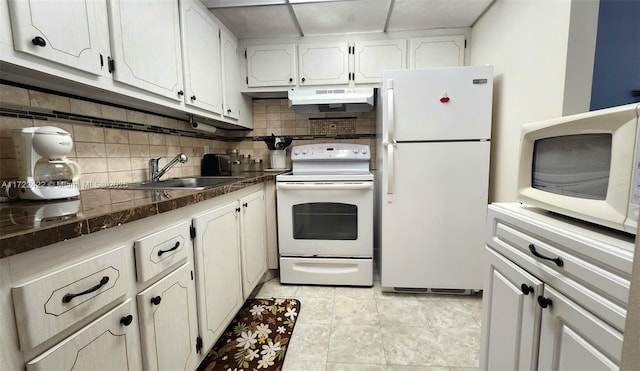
{"type": "Point", "coordinates": [585, 166]}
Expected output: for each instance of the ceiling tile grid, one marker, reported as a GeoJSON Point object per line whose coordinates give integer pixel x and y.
{"type": "Point", "coordinates": [291, 18]}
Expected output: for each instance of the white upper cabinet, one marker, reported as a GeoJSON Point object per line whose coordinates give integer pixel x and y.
{"type": "Point", "coordinates": [230, 81]}
{"type": "Point", "coordinates": [201, 52]}
{"type": "Point", "coordinates": [66, 32]}
{"type": "Point", "coordinates": [145, 44]}
{"type": "Point", "coordinates": [271, 65]}
{"type": "Point", "coordinates": [323, 64]}
{"type": "Point", "coordinates": [373, 57]}
{"type": "Point", "coordinates": [436, 51]}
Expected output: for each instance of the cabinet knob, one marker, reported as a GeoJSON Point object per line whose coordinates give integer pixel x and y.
{"type": "Point", "coordinates": [193, 97]}
{"type": "Point", "coordinates": [156, 300]}
{"type": "Point", "coordinates": [290, 79]}
{"type": "Point", "coordinates": [180, 93]}
{"type": "Point", "coordinates": [245, 204]}
{"type": "Point", "coordinates": [39, 41]}
{"type": "Point", "coordinates": [237, 209]}
{"type": "Point", "coordinates": [228, 110]}
{"type": "Point", "coordinates": [303, 79]}
{"type": "Point", "coordinates": [126, 320]}
{"type": "Point", "coordinates": [544, 302]}
{"type": "Point", "coordinates": [526, 289]}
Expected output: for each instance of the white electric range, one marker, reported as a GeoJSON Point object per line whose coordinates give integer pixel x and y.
{"type": "Point", "coordinates": [325, 216]}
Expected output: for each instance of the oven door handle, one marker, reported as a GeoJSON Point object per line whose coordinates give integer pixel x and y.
{"type": "Point", "coordinates": [324, 186]}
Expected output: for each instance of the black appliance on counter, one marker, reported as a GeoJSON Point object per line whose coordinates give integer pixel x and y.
{"type": "Point", "coordinates": [215, 164]}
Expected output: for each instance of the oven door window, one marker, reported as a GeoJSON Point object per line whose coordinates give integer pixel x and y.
{"type": "Point", "coordinates": [325, 221]}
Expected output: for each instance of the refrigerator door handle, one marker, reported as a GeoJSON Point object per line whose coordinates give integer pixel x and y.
{"type": "Point", "coordinates": [390, 147]}
{"type": "Point", "coordinates": [388, 140]}
{"type": "Point", "coordinates": [389, 134]}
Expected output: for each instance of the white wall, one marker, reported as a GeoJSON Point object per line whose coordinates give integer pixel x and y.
{"type": "Point", "coordinates": [527, 42]}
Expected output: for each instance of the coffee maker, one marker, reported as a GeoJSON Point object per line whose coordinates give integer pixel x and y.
{"type": "Point", "coordinates": [45, 171]}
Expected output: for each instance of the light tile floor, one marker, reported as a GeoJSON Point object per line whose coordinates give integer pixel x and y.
{"type": "Point", "coordinates": [365, 329]}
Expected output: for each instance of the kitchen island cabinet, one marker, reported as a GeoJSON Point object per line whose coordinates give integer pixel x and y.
{"type": "Point", "coordinates": [562, 313]}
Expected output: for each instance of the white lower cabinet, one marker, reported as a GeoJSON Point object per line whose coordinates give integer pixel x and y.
{"type": "Point", "coordinates": [123, 299]}
{"type": "Point", "coordinates": [108, 343]}
{"type": "Point", "coordinates": [555, 292]}
{"type": "Point", "coordinates": [168, 322]}
{"type": "Point", "coordinates": [253, 240]}
{"type": "Point", "coordinates": [230, 251]}
{"type": "Point", "coordinates": [571, 338]}
{"type": "Point", "coordinates": [511, 317]}
{"type": "Point", "coordinates": [218, 272]}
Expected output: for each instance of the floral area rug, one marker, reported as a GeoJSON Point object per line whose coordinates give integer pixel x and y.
{"type": "Point", "coordinates": [257, 338]}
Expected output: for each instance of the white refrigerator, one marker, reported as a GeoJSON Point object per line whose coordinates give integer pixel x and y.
{"type": "Point", "coordinates": [433, 144]}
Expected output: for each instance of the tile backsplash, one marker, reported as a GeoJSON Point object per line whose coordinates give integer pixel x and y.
{"type": "Point", "coordinates": [114, 144]}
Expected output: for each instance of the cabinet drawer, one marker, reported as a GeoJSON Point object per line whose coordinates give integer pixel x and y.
{"type": "Point", "coordinates": [105, 344]}
{"type": "Point", "coordinates": [594, 270]}
{"type": "Point", "coordinates": [50, 304]}
{"type": "Point", "coordinates": [158, 252]}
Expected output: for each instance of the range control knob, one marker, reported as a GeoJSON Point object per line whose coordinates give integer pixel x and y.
{"type": "Point", "coordinates": [355, 150]}
{"type": "Point", "coordinates": [304, 151]}
{"type": "Point", "coordinates": [296, 152]}
{"type": "Point", "coordinates": [364, 151]}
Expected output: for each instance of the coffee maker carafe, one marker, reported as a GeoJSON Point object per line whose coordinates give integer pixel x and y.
{"type": "Point", "coordinates": [45, 171]}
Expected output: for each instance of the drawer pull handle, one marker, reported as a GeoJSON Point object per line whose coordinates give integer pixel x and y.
{"type": "Point", "coordinates": [544, 302]}
{"type": "Point", "coordinates": [160, 252]}
{"type": "Point", "coordinates": [156, 300]}
{"type": "Point", "coordinates": [126, 320]}
{"type": "Point", "coordinates": [68, 297]}
{"type": "Point", "coordinates": [557, 260]}
{"type": "Point", "coordinates": [526, 289]}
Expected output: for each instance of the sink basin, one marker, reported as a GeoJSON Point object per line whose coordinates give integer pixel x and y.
{"type": "Point", "coordinates": [188, 183]}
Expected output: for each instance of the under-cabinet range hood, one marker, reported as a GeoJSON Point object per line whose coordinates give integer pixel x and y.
{"type": "Point", "coordinates": [331, 100]}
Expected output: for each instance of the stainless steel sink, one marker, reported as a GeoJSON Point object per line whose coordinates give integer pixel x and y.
{"type": "Point", "coordinates": [187, 183]}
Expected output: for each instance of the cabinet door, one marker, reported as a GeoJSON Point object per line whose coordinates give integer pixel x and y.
{"type": "Point", "coordinates": [168, 323]}
{"type": "Point", "coordinates": [218, 274]}
{"type": "Point", "coordinates": [201, 51]}
{"type": "Point", "coordinates": [145, 43]}
{"type": "Point", "coordinates": [511, 316]}
{"type": "Point", "coordinates": [373, 57]}
{"type": "Point", "coordinates": [254, 240]}
{"type": "Point", "coordinates": [436, 51]}
{"type": "Point", "coordinates": [64, 32]}
{"type": "Point", "coordinates": [271, 65]}
{"type": "Point", "coordinates": [571, 338]}
{"type": "Point", "coordinates": [109, 343]}
{"type": "Point", "coordinates": [230, 75]}
{"type": "Point", "coordinates": [323, 64]}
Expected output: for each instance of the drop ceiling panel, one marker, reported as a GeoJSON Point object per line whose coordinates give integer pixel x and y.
{"type": "Point", "coordinates": [339, 17]}
{"type": "Point", "coordinates": [258, 21]}
{"type": "Point", "coordinates": [429, 14]}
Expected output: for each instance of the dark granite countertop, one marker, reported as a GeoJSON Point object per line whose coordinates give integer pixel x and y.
{"type": "Point", "coordinates": [28, 225]}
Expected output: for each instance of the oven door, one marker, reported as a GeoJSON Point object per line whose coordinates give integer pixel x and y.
{"type": "Point", "coordinates": [325, 219]}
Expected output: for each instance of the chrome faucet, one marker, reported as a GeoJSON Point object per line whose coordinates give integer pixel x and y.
{"type": "Point", "coordinates": [155, 174]}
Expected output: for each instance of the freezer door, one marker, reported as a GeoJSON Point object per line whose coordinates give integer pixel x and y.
{"type": "Point", "coordinates": [452, 103]}
{"type": "Point", "coordinates": [432, 231]}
